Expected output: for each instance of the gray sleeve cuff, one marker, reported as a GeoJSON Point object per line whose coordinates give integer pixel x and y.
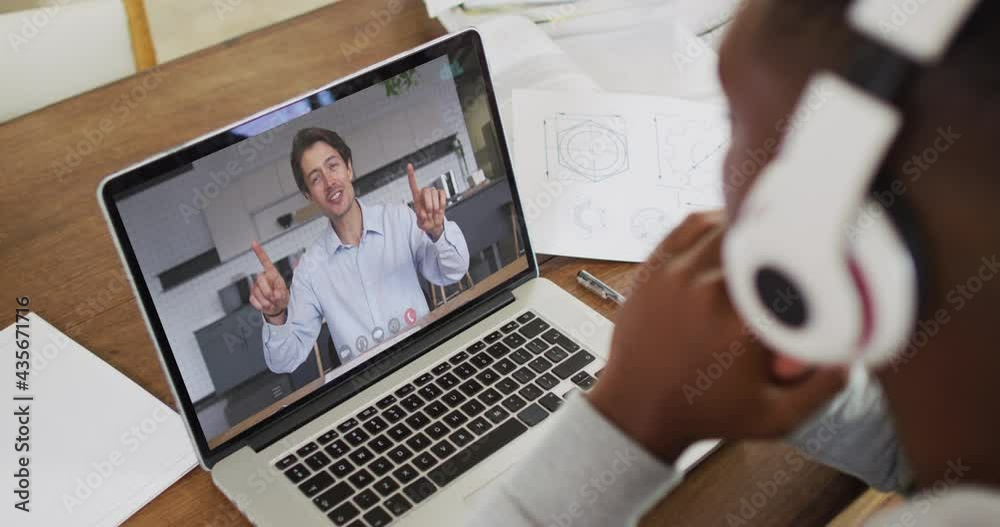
{"type": "Point", "coordinates": [584, 472]}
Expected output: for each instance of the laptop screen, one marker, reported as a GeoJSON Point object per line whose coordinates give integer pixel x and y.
{"type": "Point", "coordinates": [282, 255]}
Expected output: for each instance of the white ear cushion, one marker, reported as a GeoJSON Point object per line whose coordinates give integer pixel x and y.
{"type": "Point", "coordinates": [891, 280]}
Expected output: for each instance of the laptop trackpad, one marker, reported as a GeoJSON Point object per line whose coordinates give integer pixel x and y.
{"type": "Point", "coordinates": [476, 494]}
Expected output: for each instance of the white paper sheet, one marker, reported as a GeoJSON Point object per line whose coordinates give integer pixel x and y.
{"type": "Point", "coordinates": [101, 447]}
{"type": "Point", "coordinates": [606, 176]}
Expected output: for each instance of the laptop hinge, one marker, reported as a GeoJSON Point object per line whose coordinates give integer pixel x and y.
{"type": "Point", "coordinates": [376, 370]}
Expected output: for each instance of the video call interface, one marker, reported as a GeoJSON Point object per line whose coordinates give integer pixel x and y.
{"type": "Point", "coordinates": [330, 230]}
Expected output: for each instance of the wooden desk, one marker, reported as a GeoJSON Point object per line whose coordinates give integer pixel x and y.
{"type": "Point", "coordinates": [55, 247]}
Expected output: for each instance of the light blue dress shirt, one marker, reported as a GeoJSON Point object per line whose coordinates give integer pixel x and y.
{"type": "Point", "coordinates": [363, 292]}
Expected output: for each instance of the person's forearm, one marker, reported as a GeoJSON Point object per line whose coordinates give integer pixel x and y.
{"type": "Point", "coordinates": [447, 259]}
{"type": "Point", "coordinates": [584, 472]}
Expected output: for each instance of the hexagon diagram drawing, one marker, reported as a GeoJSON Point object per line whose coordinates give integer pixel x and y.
{"type": "Point", "coordinates": [586, 148]}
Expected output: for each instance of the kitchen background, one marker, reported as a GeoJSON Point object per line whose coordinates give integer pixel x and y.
{"type": "Point", "coordinates": [192, 235]}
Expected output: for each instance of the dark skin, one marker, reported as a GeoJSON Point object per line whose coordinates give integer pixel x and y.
{"type": "Point", "coordinates": [943, 399]}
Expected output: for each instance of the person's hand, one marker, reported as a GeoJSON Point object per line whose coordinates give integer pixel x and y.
{"type": "Point", "coordinates": [429, 204]}
{"type": "Point", "coordinates": [684, 368]}
{"type": "Point", "coordinates": [269, 294]}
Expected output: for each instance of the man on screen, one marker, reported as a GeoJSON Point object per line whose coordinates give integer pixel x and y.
{"type": "Point", "coordinates": [360, 275]}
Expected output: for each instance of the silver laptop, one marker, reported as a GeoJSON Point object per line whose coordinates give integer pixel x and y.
{"type": "Point", "coordinates": [410, 366]}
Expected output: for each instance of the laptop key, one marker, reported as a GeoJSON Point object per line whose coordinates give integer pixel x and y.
{"type": "Point", "coordinates": [537, 346]}
{"type": "Point", "coordinates": [343, 513]}
{"type": "Point", "coordinates": [285, 462]}
{"type": "Point", "coordinates": [487, 377]}
{"type": "Point", "coordinates": [532, 415]}
{"type": "Point", "coordinates": [465, 370]}
{"type": "Point", "coordinates": [356, 437]}
{"type": "Point", "coordinates": [547, 381]}
{"type": "Point", "coordinates": [493, 337]}
{"type": "Point", "coordinates": [307, 449]}
{"type": "Point", "coordinates": [497, 350]}
{"type": "Point", "coordinates": [386, 402]}
{"type": "Point", "coordinates": [400, 454]}
{"type": "Point", "coordinates": [424, 461]}
{"type": "Point", "coordinates": [419, 490]}
{"type": "Point", "coordinates": [430, 392]}
{"type": "Point", "coordinates": [443, 449]}
{"type": "Point", "coordinates": [461, 437]}
{"type": "Point", "coordinates": [524, 375]}
{"type": "Point", "coordinates": [458, 358]}
{"type": "Point", "coordinates": [377, 517]}
{"type": "Point", "coordinates": [575, 363]}
{"type": "Point", "coordinates": [514, 340]}
{"type": "Point", "coordinates": [583, 379]}
{"type": "Point", "coordinates": [479, 426]}
{"type": "Point", "coordinates": [337, 449]}
{"type": "Point", "coordinates": [405, 473]}
{"type": "Point", "coordinates": [367, 413]}
{"type": "Point", "coordinates": [375, 425]}
{"type": "Point", "coordinates": [393, 414]}
{"type": "Point", "coordinates": [471, 387]}
{"type": "Point", "coordinates": [455, 419]}
{"type": "Point", "coordinates": [424, 379]}
{"type": "Point", "coordinates": [381, 466]}
{"type": "Point", "coordinates": [477, 346]}
{"type": "Point", "coordinates": [507, 386]}
{"type": "Point", "coordinates": [347, 425]}
{"type": "Point", "coordinates": [436, 409]}
{"type": "Point", "coordinates": [361, 456]}
{"type": "Point", "coordinates": [490, 396]}
{"type": "Point", "coordinates": [342, 468]}
{"type": "Point", "coordinates": [317, 461]}
{"type": "Point", "coordinates": [524, 317]}
{"type": "Point", "coordinates": [315, 484]}
{"type": "Point", "coordinates": [412, 402]}
{"type": "Point", "coordinates": [533, 328]}
{"type": "Point", "coordinates": [530, 392]}
{"type": "Point", "coordinates": [333, 496]}
{"type": "Point", "coordinates": [540, 365]}
{"type": "Point", "coordinates": [504, 366]}
{"type": "Point", "coordinates": [482, 360]}
{"type": "Point", "coordinates": [440, 368]}
{"type": "Point", "coordinates": [453, 398]}
{"type": "Point", "coordinates": [555, 354]}
{"type": "Point", "coordinates": [418, 442]}
{"type": "Point", "coordinates": [400, 432]}
{"type": "Point", "coordinates": [361, 478]}
{"type": "Point", "coordinates": [327, 436]}
{"type": "Point", "coordinates": [386, 486]}
{"type": "Point", "coordinates": [417, 420]}
{"type": "Point", "coordinates": [297, 473]}
{"type": "Point", "coordinates": [472, 407]}
{"type": "Point", "coordinates": [446, 381]}
{"type": "Point", "coordinates": [520, 356]}
{"type": "Point", "coordinates": [365, 499]}
{"type": "Point", "coordinates": [404, 390]}
{"type": "Point", "coordinates": [398, 505]}
{"type": "Point", "coordinates": [553, 336]}
{"type": "Point", "coordinates": [551, 402]}
{"type": "Point", "coordinates": [497, 414]}
{"type": "Point", "coordinates": [510, 326]}
{"type": "Point", "coordinates": [476, 451]}
{"type": "Point", "coordinates": [437, 430]}
{"type": "Point", "coordinates": [514, 403]}
{"type": "Point", "coordinates": [380, 444]}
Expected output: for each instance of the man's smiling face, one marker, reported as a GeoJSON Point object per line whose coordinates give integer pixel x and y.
{"type": "Point", "coordinates": [329, 179]}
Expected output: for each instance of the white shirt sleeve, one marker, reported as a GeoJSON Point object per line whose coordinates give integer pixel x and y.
{"type": "Point", "coordinates": [287, 346]}
{"type": "Point", "coordinates": [584, 472]}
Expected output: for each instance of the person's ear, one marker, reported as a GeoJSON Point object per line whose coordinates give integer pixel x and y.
{"type": "Point", "coordinates": [350, 171]}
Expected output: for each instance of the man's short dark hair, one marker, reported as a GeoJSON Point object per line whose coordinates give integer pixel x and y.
{"type": "Point", "coordinates": [306, 138]}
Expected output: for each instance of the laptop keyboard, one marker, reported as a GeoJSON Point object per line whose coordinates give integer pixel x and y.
{"type": "Point", "coordinates": [376, 465]}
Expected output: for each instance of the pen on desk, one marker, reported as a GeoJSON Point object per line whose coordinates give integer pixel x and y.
{"type": "Point", "coordinates": [599, 288]}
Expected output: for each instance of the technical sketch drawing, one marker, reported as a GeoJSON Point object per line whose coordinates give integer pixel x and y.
{"type": "Point", "coordinates": [690, 154]}
{"type": "Point", "coordinates": [585, 148]}
{"type": "Point", "coordinates": [589, 218]}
